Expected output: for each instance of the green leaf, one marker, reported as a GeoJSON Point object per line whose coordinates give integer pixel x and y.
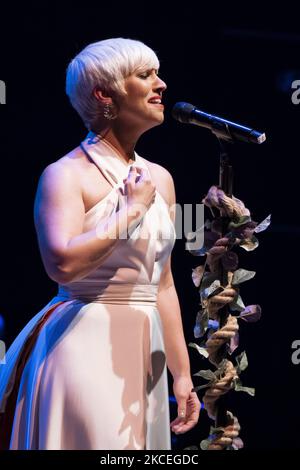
{"type": "Point", "coordinates": [242, 362]}
{"type": "Point", "coordinates": [201, 387]}
{"type": "Point", "coordinates": [206, 375]}
{"type": "Point", "coordinates": [204, 444]}
{"type": "Point", "coordinates": [238, 387]}
{"type": "Point", "coordinates": [249, 390]}
{"type": "Point", "coordinates": [218, 430]}
{"type": "Point", "coordinates": [237, 304]}
{"type": "Point", "coordinates": [202, 351]}
{"type": "Point", "coordinates": [221, 370]}
{"type": "Point", "coordinates": [240, 221]}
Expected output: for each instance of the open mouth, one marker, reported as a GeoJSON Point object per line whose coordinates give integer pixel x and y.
{"type": "Point", "coordinates": [156, 103]}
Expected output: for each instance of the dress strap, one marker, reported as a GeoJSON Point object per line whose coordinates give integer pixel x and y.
{"type": "Point", "coordinates": [107, 160]}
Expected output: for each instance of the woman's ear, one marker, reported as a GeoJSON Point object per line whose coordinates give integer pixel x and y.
{"type": "Point", "coordinates": [102, 96]}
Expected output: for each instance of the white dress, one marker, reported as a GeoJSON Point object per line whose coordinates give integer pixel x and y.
{"type": "Point", "coordinates": [95, 376]}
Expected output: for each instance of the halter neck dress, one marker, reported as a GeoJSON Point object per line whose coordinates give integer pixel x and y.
{"type": "Point", "coordinates": [89, 370]}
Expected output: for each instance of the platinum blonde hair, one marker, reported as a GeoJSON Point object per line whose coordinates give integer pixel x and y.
{"type": "Point", "coordinates": [104, 65]}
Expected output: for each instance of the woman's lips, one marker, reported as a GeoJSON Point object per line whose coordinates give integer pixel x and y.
{"type": "Point", "coordinates": [157, 105]}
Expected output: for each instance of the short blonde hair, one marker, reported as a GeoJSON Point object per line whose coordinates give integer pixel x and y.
{"type": "Point", "coordinates": [104, 65]}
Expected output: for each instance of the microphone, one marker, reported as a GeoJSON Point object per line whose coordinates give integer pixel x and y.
{"type": "Point", "coordinates": [223, 129]}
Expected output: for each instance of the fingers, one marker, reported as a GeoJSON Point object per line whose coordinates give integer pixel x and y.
{"type": "Point", "coordinates": [188, 414]}
{"type": "Point", "coordinates": [145, 175]}
{"type": "Point", "coordinates": [181, 427]}
{"type": "Point", "coordinates": [137, 174]}
{"type": "Point", "coordinates": [130, 180]}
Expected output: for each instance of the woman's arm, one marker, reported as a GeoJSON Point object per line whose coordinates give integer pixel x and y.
{"type": "Point", "coordinates": [169, 309]}
{"type": "Point", "coordinates": [67, 253]}
{"type": "Point", "coordinates": [167, 300]}
{"type": "Point", "coordinates": [175, 345]}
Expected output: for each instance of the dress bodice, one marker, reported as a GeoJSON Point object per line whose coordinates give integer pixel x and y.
{"type": "Point", "coordinates": [136, 261]}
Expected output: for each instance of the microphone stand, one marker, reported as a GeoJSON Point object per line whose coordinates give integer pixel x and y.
{"type": "Point", "coordinates": [226, 184]}
{"type": "Point", "coordinates": [234, 222]}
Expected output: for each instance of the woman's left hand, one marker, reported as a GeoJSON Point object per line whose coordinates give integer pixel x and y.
{"type": "Point", "coordinates": [188, 405]}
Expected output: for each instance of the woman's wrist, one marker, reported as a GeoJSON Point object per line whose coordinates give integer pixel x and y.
{"type": "Point", "coordinates": [182, 375]}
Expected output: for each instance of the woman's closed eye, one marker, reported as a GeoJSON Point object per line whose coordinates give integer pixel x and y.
{"type": "Point", "coordinates": [144, 75]}
{"type": "Point", "coordinates": [147, 74]}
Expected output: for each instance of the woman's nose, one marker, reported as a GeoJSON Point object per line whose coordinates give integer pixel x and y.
{"type": "Point", "coordinates": [161, 85]}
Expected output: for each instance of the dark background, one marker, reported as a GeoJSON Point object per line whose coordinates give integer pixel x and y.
{"type": "Point", "coordinates": [236, 63]}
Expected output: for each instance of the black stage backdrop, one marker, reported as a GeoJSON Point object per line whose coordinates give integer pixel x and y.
{"type": "Point", "coordinates": [239, 64]}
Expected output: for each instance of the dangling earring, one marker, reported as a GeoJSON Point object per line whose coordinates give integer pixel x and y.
{"type": "Point", "coordinates": [107, 112]}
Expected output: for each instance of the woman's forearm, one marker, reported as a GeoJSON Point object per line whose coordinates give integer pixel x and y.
{"type": "Point", "coordinates": [85, 252]}
{"type": "Point", "coordinates": [175, 345]}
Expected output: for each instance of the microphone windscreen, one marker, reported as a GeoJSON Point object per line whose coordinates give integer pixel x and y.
{"type": "Point", "coordinates": [182, 111]}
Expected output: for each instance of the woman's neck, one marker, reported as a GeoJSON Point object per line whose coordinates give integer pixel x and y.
{"type": "Point", "coordinates": [124, 145]}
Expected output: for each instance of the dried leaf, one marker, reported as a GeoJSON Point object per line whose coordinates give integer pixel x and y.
{"type": "Point", "coordinates": [237, 443]}
{"type": "Point", "coordinates": [241, 205]}
{"type": "Point", "coordinates": [201, 323]}
{"type": "Point", "coordinates": [234, 343]}
{"type": "Point", "coordinates": [197, 275]}
{"type": "Point", "coordinates": [263, 225]}
{"type": "Point", "coordinates": [251, 313]}
{"type": "Point", "coordinates": [209, 239]}
{"type": "Point", "coordinates": [212, 197]}
{"type": "Point", "coordinates": [249, 244]}
{"type": "Point", "coordinates": [242, 275]}
{"type": "Point", "coordinates": [207, 280]}
{"type": "Point", "coordinates": [212, 289]}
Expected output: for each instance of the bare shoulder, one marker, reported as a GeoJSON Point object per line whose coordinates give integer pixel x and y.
{"type": "Point", "coordinates": [67, 167]}
{"type": "Point", "coordinates": [163, 180]}
{"type": "Point", "coordinates": [59, 179]}
{"type": "Point", "coordinates": [158, 169]}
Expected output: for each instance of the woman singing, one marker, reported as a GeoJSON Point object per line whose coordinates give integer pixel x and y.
{"type": "Point", "coordinates": [89, 371]}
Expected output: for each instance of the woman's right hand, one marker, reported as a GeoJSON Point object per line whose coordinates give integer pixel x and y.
{"type": "Point", "coordinates": [139, 189]}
